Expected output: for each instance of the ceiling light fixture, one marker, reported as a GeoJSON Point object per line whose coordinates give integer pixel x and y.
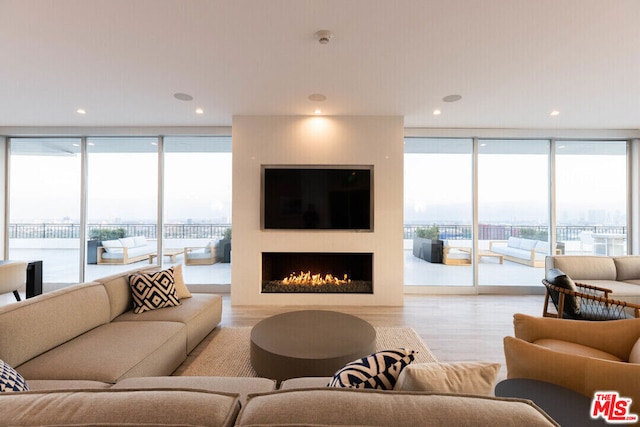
{"type": "Point", "coordinates": [437, 112]}
{"type": "Point", "coordinates": [199, 111]}
{"type": "Point", "coordinates": [183, 96]}
{"type": "Point", "coordinates": [317, 111]}
{"type": "Point", "coordinates": [81, 111]}
{"type": "Point", "coordinates": [324, 36]}
{"type": "Point", "coordinates": [452, 98]}
{"type": "Point", "coordinates": [555, 113]}
{"type": "Point", "coordinates": [317, 97]}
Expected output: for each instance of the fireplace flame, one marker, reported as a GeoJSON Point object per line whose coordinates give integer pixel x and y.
{"type": "Point", "coordinates": [314, 279]}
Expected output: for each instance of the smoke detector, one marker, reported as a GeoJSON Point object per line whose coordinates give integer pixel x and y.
{"type": "Point", "coordinates": [324, 36]}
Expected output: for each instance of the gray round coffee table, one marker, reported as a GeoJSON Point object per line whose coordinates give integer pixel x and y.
{"type": "Point", "coordinates": [309, 343]}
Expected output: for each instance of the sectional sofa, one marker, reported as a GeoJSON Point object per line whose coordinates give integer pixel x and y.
{"type": "Point", "coordinates": [89, 359]}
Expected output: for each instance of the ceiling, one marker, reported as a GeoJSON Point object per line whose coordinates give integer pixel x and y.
{"type": "Point", "coordinates": [512, 61]}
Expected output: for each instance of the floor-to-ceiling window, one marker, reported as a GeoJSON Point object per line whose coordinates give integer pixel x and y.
{"type": "Point", "coordinates": [438, 211]}
{"type": "Point", "coordinates": [44, 205]}
{"type": "Point", "coordinates": [591, 197]}
{"type": "Point", "coordinates": [122, 204]}
{"type": "Point", "coordinates": [513, 211]}
{"type": "Point", "coordinates": [197, 207]}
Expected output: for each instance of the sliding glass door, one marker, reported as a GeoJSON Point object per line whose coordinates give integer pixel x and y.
{"type": "Point", "coordinates": [591, 194]}
{"type": "Point", "coordinates": [438, 232]}
{"type": "Point", "coordinates": [44, 205]}
{"type": "Point", "coordinates": [122, 204]}
{"type": "Point", "coordinates": [197, 207]}
{"type": "Point", "coordinates": [513, 211]}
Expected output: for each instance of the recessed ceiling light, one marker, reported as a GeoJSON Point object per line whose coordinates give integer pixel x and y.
{"type": "Point", "coordinates": [199, 111]}
{"type": "Point", "coordinates": [437, 112]}
{"type": "Point", "coordinates": [452, 98]}
{"type": "Point", "coordinates": [317, 111]}
{"type": "Point", "coordinates": [81, 111]}
{"type": "Point", "coordinates": [555, 113]}
{"type": "Point", "coordinates": [183, 96]}
{"type": "Point", "coordinates": [317, 97]}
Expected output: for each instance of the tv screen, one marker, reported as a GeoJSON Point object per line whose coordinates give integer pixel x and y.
{"type": "Point", "coordinates": [317, 198]}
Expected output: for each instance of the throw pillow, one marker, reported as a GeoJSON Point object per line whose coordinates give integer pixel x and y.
{"type": "Point", "coordinates": [634, 356]}
{"type": "Point", "coordinates": [151, 291]}
{"type": "Point", "coordinates": [461, 377]}
{"type": "Point", "coordinates": [10, 379]}
{"type": "Point", "coordinates": [181, 288]}
{"type": "Point", "coordinates": [560, 279]}
{"type": "Point", "coordinates": [379, 370]}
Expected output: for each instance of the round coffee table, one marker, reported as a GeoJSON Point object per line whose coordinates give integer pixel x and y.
{"type": "Point", "coordinates": [309, 343]}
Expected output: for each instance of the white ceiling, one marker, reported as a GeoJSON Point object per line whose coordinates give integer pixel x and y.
{"type": "Point", "coordinates": [512, 61]}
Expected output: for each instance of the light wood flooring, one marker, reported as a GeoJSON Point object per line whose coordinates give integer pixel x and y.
{"type": "Point", "coordinates": [454, 328]}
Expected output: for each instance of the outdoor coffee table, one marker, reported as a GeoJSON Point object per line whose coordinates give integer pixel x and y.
{"type": "Point", "coordinates": [171, 253]}
{"type": "Point", "coordinates": [309, 343]}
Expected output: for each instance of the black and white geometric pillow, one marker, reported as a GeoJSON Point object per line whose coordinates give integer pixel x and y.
{"type": "Point", "coordinates": [153, 290]}
{"type": "Point", "coordinates": [10, 379]}
{"type": "Point", "coordinates": [379, 370]}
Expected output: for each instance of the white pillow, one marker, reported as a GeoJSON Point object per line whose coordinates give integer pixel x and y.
{"type": "Point", "coordinates": [460, 377]}
{"type": "Point", "coordinates": [112, 246]}
{"type": "Point", "coordinates": [528, 244]}
{"type": "Point", "coordinates": [127, 242]}
{"type": "Point", "coordinates": [139, 241]}
{"type": "Point", "coordinates": [513, 242]}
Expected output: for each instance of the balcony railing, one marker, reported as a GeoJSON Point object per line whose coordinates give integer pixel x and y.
{"type": "Point", "coordinates": [208, 231]}
{"type": "Point", "coordinates": [150, 231]}
{"type": "Point", "coordinates": [503, 232]}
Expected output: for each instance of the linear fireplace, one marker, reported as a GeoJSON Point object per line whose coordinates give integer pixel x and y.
{"type": "Point", "coordinates": [313, 272]}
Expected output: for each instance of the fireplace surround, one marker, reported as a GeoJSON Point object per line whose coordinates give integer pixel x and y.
{"type": "Point", "coordinates": [315, 272]}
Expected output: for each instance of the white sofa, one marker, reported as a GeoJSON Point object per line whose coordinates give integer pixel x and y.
{"type": "Point", "coordinates": [524, 251]}
{"type": "Point", "coordinates": [125, 250]}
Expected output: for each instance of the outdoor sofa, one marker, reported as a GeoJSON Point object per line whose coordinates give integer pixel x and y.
{"type": "Point", "coordinates": [126, 250]}
{"type": "Point", "coordinates": [524, 251]}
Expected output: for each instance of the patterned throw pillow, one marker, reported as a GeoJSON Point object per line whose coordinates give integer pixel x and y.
{"type": "Point", "coordinates": [10, 379]}
{"type": "Point", "coordinates": [153, 290]}
{"type": "Point", "coordinates": [379, 370]}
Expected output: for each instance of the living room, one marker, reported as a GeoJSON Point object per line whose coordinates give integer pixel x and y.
{"type": "Point", "coordinates": [489, 121]}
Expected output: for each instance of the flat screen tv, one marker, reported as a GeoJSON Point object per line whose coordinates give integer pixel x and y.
{"type": "Point", "coordinates": [323, 198]}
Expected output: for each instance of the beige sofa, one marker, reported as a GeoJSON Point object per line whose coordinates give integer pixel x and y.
{"type": "Point", "coordinates": [317, 406]}
{"type": "Point", "coordinates": [89, 332]}
{"type": "Point", "coordinates": [620, 274]}
{"type": "Point", "coordinates": [579, 355]}
{"type": "Point", "coordinates": [89, 360]}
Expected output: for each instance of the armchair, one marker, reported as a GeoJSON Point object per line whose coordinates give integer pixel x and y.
{"type": "Point", "coordinates": [580, 301]}
{"type": "Point", "coordinates": [582, 356]}
{"type": "Point", "coordinates": [200, 255]}
{"type": "Point", "coordinates": [13, 277]}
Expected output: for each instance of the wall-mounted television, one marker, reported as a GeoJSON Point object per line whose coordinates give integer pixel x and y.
{"type": "Point", "coordinates": [317, 197]}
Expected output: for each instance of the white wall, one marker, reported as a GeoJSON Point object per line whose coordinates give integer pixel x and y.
{"type": "Point", "coordinates": [286, 140]}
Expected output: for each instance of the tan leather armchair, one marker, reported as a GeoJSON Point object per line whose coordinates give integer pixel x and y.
{"type": "Point", "coordinates": [582, 356]}
{"type": "Point", "coordinates": [13, 277]}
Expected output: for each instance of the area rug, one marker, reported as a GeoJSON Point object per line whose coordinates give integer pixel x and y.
{"type": "Point", "coordinates": [225, 351]}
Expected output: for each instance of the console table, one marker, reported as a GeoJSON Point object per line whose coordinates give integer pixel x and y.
{"type": "Point", "coordinates": [34, 277]}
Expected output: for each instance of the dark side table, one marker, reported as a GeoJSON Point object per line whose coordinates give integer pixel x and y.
{"type": "Point", "coordinates": [565, 406]}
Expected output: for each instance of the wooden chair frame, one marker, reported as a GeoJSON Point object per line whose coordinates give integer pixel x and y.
{"type": "Point", "coordinates": [594, 297]}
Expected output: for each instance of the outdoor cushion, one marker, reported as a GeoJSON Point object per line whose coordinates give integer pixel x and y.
{"type": "Point", "coordinates": [112, 246]}
{"type": "Point", "coordinates": [127, 241]}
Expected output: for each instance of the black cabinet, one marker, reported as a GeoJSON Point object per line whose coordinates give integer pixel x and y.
{"type": "Point", "coordinates": [428, 249]}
